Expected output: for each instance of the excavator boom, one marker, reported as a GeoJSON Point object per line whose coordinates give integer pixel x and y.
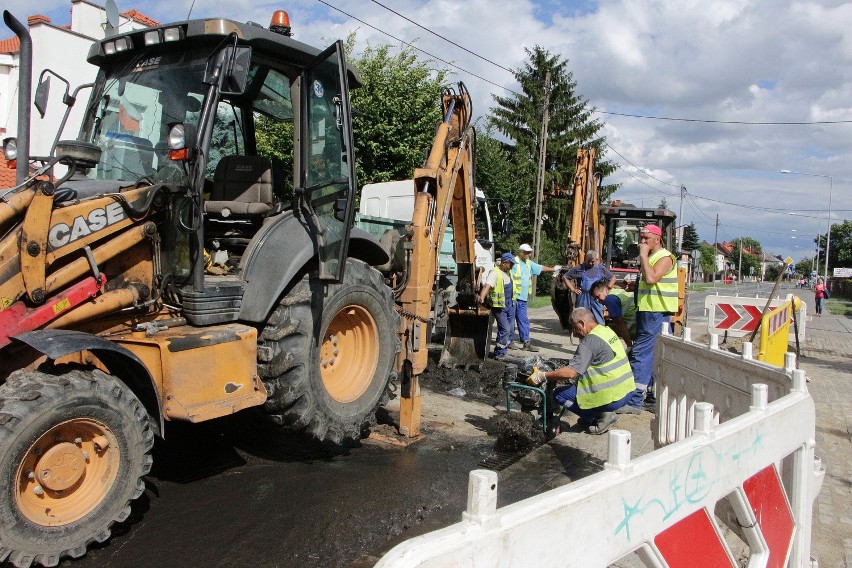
{"type": "Point", "coordinates": [444, 193]}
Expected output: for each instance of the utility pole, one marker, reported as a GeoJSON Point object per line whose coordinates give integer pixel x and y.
{"type": "Point", "coordinates": [715, 248]}
{"type": "Point", "coordinates": [539, 190]}
{"type": "Point", "coordinates": [740, 266]}
{"type": "Point", "coordinates": [680, 221]}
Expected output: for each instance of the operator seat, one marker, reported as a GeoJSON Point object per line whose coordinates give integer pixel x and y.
{"type": "Point", "coordinates": [242, 188]}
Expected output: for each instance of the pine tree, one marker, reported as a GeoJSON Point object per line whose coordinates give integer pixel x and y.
{"type": "Point", "coordinates": [519, 117]}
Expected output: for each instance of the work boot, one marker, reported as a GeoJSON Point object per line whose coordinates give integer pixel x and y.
{"type": "Point", "coordinates": [603, 423]}
{"type": "Point", "coordinates": [628, 409]}
{"type": "Point", "coordinates": [528, 346]}
{"type": "Point", "coordinates": [515, 345]}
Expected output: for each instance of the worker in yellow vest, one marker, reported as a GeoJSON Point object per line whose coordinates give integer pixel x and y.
{"type": "Point", "coordinates": [522, 273]}
{"type": "Point", "coordinates": [600, 373]}
{"type": "Point", "coordinates": [656, 301]}
{"type": "Point", "coordinates": [498, 294]}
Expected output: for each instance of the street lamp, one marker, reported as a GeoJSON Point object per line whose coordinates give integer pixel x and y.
{"type": "Point", "coordinates": [828, 234]}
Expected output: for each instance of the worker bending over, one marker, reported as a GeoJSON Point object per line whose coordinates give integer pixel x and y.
{"type": "Point", "coordinates": [602, 381]}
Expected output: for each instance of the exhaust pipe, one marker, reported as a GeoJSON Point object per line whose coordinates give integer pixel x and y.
{"type": "Point", "coordinates": [25, 85]}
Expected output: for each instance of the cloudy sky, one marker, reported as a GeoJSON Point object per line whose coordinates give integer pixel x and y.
{"type": "Point", "coordinates": [724, 94]}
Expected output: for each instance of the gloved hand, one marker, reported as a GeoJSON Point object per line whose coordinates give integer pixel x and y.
{"type": "Point", "coordinates": [557, 268]}
{"type": "Point", "coordinates": [537, 378]}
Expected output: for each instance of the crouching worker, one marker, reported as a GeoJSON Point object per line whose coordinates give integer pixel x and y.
{"type": "Point", "coordinates": [602, 381]}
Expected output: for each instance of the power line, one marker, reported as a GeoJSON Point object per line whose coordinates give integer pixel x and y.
{"type": "Point", "coordinates": [741, 122]}
{"type": "Point", "coordinates": [642, 169]}
{"type": "Point", "coordinates": [407, 19]}
{"type": "Point", "coordinates": [411, 45]}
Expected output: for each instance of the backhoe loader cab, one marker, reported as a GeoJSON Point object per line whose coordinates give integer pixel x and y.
{"type": "Point", "coordinates": [177, 272]}
{"type": "Point", "coordinates": [623, 224]}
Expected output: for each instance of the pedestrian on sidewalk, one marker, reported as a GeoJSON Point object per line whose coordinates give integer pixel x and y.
{"type": "Point", "coordinates": [498, 294]}
{"type": "Point", "coordinates": [820, 293]}
{"type": "Point", "coordinates": [620, 310]}
{"type": "Point", "coordinates": [522, 273]}
{"type": "Point", "coordinates": [656, 302]}
{"type": "Point", "coordinates": [602, 381]}
{"type": "Point", "coordinates": [580, 279]}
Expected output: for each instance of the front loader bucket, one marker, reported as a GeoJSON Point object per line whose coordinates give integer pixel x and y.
{"type": "Point", "coordinates": [466, 340]}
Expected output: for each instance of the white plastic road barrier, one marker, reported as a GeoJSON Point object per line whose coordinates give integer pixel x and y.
{"type": "Point", "coordinates": [666, 506]}
{"type": "Point", "coordinates": [738, 316]}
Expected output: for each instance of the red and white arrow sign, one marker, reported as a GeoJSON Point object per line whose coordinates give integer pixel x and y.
{"type": "Point", "coordinates": [698, 537]}
{"type": "Point", "coordinates": [734, 319]}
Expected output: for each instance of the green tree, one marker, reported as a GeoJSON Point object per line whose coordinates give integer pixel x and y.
{"type": "Point", "coordinates": [751, 255]}
{"type": "Point", "coordinates": [840, 248]}
{"type": "Point", "coordinates": [804, 267]}
{"type": "Point", "coordinates": [499, 178]}
{"type": "Point", "coordinates": [396, 110]}
{"type": "Point", "coordinates": [708, 259]}
{"type": "Point", "coordinates": [519, 117]}
{"type": "Point", "coordinates": [663, 204]}
{"type": "Point", "coordinates": [690, 238]}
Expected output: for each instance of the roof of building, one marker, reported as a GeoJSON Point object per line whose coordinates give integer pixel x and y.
{"type": "Point", "coordinates": [11, 45]}
{"type": "Point", "coordinates": [139, 17]}
{"type": "Point", "coordinates": [7, 176]}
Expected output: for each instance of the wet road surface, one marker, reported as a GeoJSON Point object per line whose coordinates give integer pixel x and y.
{"type": "Point", "coordinates": [237, 493]}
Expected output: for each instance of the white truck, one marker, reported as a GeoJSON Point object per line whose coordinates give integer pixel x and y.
{"type": "Point", "coordinates": [385, 210]}
{"type": "Point", "coordinates": [389, 205]}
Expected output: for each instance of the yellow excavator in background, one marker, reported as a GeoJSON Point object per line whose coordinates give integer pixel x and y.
{"type": "Point", "coordinates": [611, 230]}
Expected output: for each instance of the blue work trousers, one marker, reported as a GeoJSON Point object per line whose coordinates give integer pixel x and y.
{"type": "Point", "coordinates": [505, 317]}
{"type": "Point", "coordinates": [522, 319]}
{"type": "Point", "coordinates": [649, 325]}
{"type": "Point", "coordinates": [567, 397]}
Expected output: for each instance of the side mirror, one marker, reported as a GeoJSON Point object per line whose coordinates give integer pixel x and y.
{"type": "Point", "coordinates": [505, 228]}
{"type": "Point", "coordinates": [41, 95]}
{"type": "Point", "coordinates": [237, 64]}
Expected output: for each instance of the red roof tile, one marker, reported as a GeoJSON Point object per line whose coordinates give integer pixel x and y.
{"type": "Point", "coordinates": [138, 16]}
{"type": "Point", "coordinates": [7, 176]}
{"type": "Point", "coordinates": [37, 19]}
{"type": "Point", "coordinates": [11, 45]}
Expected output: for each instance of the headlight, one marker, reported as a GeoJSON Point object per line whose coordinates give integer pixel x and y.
{"type": "Point", "coordinates": [10, 148]}
{"type": "Point", "coordinates": [177, 137]}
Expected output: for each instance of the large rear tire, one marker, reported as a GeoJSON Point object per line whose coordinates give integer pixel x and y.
{"type": "Point", "coordinates": [73, 450]}
{"type": "Point", "coordinates": [327, 354]}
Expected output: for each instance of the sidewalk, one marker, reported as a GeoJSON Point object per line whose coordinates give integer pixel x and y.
{"type": "Point", "coordinates": [826, 357]}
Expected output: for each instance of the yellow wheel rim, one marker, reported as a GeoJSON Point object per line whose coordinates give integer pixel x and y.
{"type": "Point", "coordinates": [67, 472]}
{"type": "Point", "coordinates": [349, 354]}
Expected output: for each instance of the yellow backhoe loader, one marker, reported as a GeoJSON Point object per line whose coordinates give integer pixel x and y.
{"type": "Point", "coordinates": [159, 268]}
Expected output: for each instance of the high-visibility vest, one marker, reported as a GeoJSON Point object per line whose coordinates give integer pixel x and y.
{"type": "Point", "coordinates": [517, 276]}
{"type": "Point", "coordinates": [662, 296]}
{"type": "Point", "coordinates": [628, 307]}
{"type": "Point", "coordinates": [497, 294]}
{"type": "Point", "coordinates": [609, 381]}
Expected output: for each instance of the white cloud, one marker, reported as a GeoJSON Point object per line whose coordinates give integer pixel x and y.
{"type": "Point", "coordinates": [726, 60]}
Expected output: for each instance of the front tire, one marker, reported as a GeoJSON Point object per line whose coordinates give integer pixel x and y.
{"type": "Point", "coordinates": [73, 450]}
{"type": "Point", "coordinates": [327, 354]}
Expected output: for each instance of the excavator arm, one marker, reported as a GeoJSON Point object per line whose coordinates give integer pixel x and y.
{"type": "Point", "coordinates": [444, 193]}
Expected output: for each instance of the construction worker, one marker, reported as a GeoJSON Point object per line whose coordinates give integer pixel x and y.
{"type": "Point", "coordinates": [620, 314]}
{"type": "Point", "coordinates": [498, 294]}
{"type": "Point", "coordinates": [522, 274]}
{"type": "Point", "coordinates": [580, 279]}
{"type": "Point", "coordinates": [656, 301]}
{"type": "Point", "coordinates": [600, 373]}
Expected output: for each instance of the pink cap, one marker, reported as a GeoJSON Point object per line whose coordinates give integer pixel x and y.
{"type": "Point", "coordinates": [653, 229]}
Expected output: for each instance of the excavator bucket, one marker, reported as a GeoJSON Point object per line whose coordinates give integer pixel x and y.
{"type": "Point", "coordinates": [466, 340]}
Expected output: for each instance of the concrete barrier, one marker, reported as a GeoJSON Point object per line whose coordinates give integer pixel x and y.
{"type": "Point", "coordinates": [748, 466]}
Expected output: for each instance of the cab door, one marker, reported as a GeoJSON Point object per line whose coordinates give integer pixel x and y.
{"type": "Point", "coordinates": [327, 160]}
